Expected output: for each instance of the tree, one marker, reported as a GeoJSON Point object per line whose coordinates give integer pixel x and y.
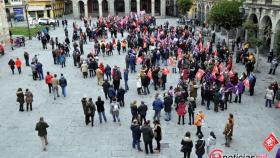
{"type": "Point", "coordinates": [184, 5]}
{"type": "Point", "coordinates": [226, 14]}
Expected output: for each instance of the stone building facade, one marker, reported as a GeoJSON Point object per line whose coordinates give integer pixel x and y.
{"type": "Point", "coordinates": [266, 14]}
{"type": "Point", "coordinates": [101, 8]}
{"type": "Point", "coordinates": [4, 28]}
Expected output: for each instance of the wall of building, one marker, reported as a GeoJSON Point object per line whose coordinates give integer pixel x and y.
{"type": "Point", "coordinates": [4, 29]}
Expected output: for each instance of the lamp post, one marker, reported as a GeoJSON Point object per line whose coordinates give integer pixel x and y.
{"type": "Point", "coordinates": [26, 18]}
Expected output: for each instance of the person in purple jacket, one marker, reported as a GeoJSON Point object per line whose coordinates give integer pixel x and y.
{"type": "Point", "coordinates": [239, 90]}
{"type": "Point", "coordinates": [278, 153]}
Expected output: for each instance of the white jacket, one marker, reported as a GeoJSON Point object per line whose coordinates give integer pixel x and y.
{"type": "Point", "coordinates": [269, 94]}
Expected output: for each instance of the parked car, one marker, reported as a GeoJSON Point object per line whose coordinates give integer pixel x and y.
{"type": "Point", "coordinates": [18, 18]}
{"type": "Point", "coordinates": [46, 21]}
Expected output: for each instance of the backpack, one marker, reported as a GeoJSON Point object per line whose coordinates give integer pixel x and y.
{"type": "Point", "coordinates": [62, 82]}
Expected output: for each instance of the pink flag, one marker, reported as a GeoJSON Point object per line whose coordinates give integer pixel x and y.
{"type": "Point", "coordinates": [149, 74]}
{"type": "Point", "coordinates": [246, 83]}
{"type": "Point", "coordinates": [221, 78]}
{"type": "Point", "coordinates": [215, 70]}
{"type": "Point", "coordinates": [139, 60]}
{"type": "Point", "coordinates": [165, 71]}
{"type": "Point", "coordinates": [199, 74]}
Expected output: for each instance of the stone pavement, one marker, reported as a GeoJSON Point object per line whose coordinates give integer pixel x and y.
{"type": "Point", "coordinates": [69, 137]}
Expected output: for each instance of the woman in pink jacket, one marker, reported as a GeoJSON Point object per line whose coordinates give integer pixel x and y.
{"type": "Point", "coordinates": [181, 111]}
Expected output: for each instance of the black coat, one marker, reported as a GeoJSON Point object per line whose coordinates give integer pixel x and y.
{"type": "Point", "coordinates": [168, 101]}
{"type": "Point", "coordinates": [142, 109]}
{"type": "Point", "coordinates": [145, 81]}
{"type": "Point", "coordinates": [147, 132]}
{"type": "Point", "coordinates": [100, 105]}
{"type": "Point", "coordinates": [120, 94]}
{"type": "Point", "coordinates": [106, 86]}
{"type": "Point", "coordinates": [200, 147]}
{"type": "Point", "coordinates": [157, 133]}
{"type": "Point", "coordinates": [187, 145]}
{"type": "Point", "coordinates": [136, 132]}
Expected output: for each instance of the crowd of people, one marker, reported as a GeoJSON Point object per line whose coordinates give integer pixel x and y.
{"type": "Point", "coordinates": [150, 51]}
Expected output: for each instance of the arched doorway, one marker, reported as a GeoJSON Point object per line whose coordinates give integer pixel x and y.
{"type": "Point", "coordinates": [170, 8]}
{"type": "Point", "coordinates": [81, 8]}
{"type": "Point", "coordinates": [266, 31]}
{"type": "Point", "coordinates": [146, 5]}
{"type": "Point", "coordinates": [119, 7]}
{"type": "Point", "coordinates": [105, 9]}
{"type": "Point", "coordinates": [157, 7]}
{"type": "Point", "coordinates": [133, 6]}
{"type": "Point", "coordinates": [277, 37]}
{"type": "Point", "coordinates": [93, 7]}
{"type": "Point", "coordinates": [254, 19]}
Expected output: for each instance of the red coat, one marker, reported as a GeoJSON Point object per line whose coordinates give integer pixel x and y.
{"type": "Point", "coordinates": [48, 79]}
{"type": "Point", "coordinates": [181, 109]}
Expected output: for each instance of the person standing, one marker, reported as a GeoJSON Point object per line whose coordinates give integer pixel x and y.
{"type": "Point", "coordinates": [34, 71]}
{"type": "Point", "coordinates": [142, 111]}
{"type": "Point", "coordinates": [273, 66]}
{"type": "Point", "coordinates": [167, 101]}
{"type": "Point", "coordinates": [90, 111]}
{"type": "Point", "coordinates": [18, 65]}
{"type": "Point", "coordinates": [157, 134]}
{"type": "Point", "coordinates": [181, 111]}
{"type": "Point", "coordinates": [20, 99]}
{"type": "Point", "coordinates": [200, 146]}
{"type": "Point", "coordinates": [63, 84]}
{"type": "Point", "coordinates": [28, 99]}
{"type": "Point", "coordinates": [269, 96]}
{"type": "Point", "coordinates": [210, 142]}
{"type": "Point", "coordinates": [115, 110]}
{"type": "Point", "coordinates": [108, 72]}
{"type": "Point", "coordinates": [198, 122]}
{"type": "Point", "coordinates": [106, 86]}
{"type": "Point", "coordinates": [252, 83]}
{"type": "Point", "coordinates": [55, 83]}
{"type": "Point", "coordinates": [99, 75]}
{"type": "Point", "coordinates": [26, 58]}
{"type": "Point", "coordinates": [11, 63]}
{"type": "Point", "coordinates": [191, 109]}
{"type": "Point", "coordinates": [48, 80]}
{"type": "Point", "coordinates": [100, 109]}
{"type": "Point", "coordinates": [84, 69]}
{"type": "Point", "coordinates": [41, 127]}
{"type": "Point", "coordinates": [157, 106]}
{"type": "Point", "coordinates": [84, 105]}
{"type": "Point", "coordinates": [125, 77]}
{"type": "Point", "coordinates": [136, 134]}
{"type": "Point", "coordinates": [228, 132]}
{"type": "Point", "coordinates": [134, 110]}
{"type": "Point", "coordinates": [187, 145]}
{"type": "Point", "coordinates": [120, 96]}
{"type": "Point", "coordinates": [39, 69]}
{"type": "Point", "coordinates": [148, 136]}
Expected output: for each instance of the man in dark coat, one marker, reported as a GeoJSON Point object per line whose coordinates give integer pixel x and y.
{"type": "Point", "coordinates": [142, 111]}
{"type": "Point", "coordinates": [11, 63]}
{"type": "Point", "coordinates": [136, 135]}
{"type": "Point", "coordinates": [106, 86]}
{"type": "Point", "coordinates": [145, 80]}
{"type": "Point", "coordinates": [168, 101]}
{"type": "Point", "coordinates": [148, 136]}
{"type": "Point", "coordinates": [120, 96]}
{"type": "Point", "coordinates": [41, 127]}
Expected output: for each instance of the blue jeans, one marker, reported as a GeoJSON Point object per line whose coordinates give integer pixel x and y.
{"type": "Point", "coordinates": [136, 142]}
{"type": "Point", "coordinates": [157, 115]}
{"type": "Point", "coordinates": [199, 156]}
{"type": "Point", "coordinates": [126, 85]}
{"type": "Point", "coordinates": [41, 75]}
{"type": "Point", "coordinates": [116, 117]}
{"type": "Point", "coordinates": [167, 116]}
{"type": "Point", "coordinates": [268, 102]}
{"type": "Point", "coordinates": [63, 91]}
{"type": "Point", "coordinates": [100, 116]}
{"type": "Point", "coordinates": [132, 68]}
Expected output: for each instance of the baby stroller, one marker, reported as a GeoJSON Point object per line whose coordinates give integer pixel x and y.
{"type": "Point", "coordinates": [19, 41]}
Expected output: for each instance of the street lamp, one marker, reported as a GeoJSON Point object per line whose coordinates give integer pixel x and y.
{"type": "Point", "coordinates": [26, 17]}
